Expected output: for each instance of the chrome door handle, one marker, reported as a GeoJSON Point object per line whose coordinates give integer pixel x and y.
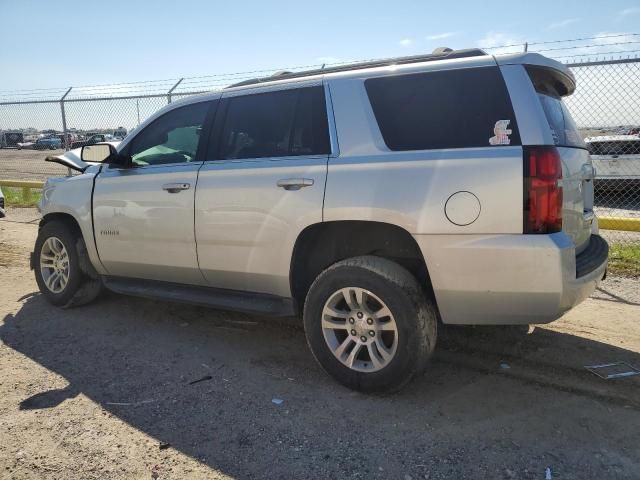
{"type": "Point", "coordinates": [176, 187]}
{"type": "Point", "coordinates": [295, 183]}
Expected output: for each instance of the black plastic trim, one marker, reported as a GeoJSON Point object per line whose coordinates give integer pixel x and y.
{"type": "Point", "coordinates": [592, 257]}
{"type": "Point", "coordinates": [247, 302]}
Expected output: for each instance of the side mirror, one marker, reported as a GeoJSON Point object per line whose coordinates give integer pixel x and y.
{"type": "Point", "coordinates": [98, 152]}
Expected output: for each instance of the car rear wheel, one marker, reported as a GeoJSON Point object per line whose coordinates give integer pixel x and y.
{"type": "Point", "coordinates": [369, 324]}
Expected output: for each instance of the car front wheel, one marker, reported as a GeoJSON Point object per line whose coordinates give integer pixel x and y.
{"type": "Point", "coordinates": [62, 269]}
{"type": "Point", "coordinates": [369, 324]}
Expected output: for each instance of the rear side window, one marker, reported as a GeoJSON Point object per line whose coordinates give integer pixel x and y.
{"type": "Point", "coordinates": [275, 124]}
{"type": "Point", "coordinates": [550, 91]}
{"type": "Point", "coordinates": [448, 109]}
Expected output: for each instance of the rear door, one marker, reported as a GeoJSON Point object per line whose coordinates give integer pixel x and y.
{"type": "Point", "coordinates": [262, 183]}
{"type": "Point", "coordinates": [577, 170]}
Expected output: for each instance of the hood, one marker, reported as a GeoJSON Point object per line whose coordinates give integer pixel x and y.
{"type": "Point", "coordinates": [72, 159]}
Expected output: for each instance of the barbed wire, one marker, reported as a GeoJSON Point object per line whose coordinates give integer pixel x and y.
{"type": "Point", "coordinates": [220, 80]}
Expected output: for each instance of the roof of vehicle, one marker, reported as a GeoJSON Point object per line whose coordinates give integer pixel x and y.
{"type": "Point", "coordinates": [612, 138]}
{"type": "Point", "coordinates": [440, 54]}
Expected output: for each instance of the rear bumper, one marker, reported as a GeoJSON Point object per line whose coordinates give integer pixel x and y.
{"type": "Point", "coordinates": [510, 279]}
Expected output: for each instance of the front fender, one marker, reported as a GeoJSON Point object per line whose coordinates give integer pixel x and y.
{"type": "Point", "coordinates": [72, 196]}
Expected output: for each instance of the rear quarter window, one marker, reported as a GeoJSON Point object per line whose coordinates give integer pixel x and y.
{"type": "Point", "coordinates": [444, 109]}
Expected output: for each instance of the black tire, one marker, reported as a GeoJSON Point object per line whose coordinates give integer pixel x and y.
{"type": "Point", "coordinates": [415, 316]}
{"type": "Point", "coordinates": [84, 283]}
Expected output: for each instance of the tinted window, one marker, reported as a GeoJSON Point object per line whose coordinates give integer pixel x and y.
{"type": "Point", "coordinates": [550, 90]}
{"type": "Point", "coordinates": [449, 109]}
{"type": "Point", "coordinates": [172, 138]}
{"type": "Point", "coordinates": [563, 129]}
{"type": "Point", "coordinates": [275, 124]}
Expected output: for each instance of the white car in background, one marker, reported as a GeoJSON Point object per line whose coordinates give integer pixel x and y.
{"type": "Point", "coordinates": [616, 159]}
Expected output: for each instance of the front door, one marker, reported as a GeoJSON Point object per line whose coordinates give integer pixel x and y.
{"type": "Point", "coordinates": [143, 215]}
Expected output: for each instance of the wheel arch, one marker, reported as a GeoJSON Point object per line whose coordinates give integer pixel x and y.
{"type": "Point", "coordinates": [322, 244]}
{"type": "Point", "coordinates": [76, 227]}
{"type": "Point", "coordinates": [65, 218]}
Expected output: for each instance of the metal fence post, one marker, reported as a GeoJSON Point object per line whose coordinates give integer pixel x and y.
{"type": "Point", "coordinates": [64, 119]}
{"type": "Point", "coordinates": [172, 89]}
{"type": "Point", "coordinates": [64, 125]}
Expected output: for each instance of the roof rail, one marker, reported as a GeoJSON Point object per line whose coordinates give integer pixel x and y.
{"type": "Point", "coordinates": [438, 54]}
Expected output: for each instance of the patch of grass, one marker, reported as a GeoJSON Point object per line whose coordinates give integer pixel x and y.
{"type": "Point", "coordinates": [624, 259]}
{"type": "Point", "coordinates": [14, 197]}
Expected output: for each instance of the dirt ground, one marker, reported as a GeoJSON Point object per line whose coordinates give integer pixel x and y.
{"type": "Point", "coordinates": [107, 391]}
{"type": "Point", "coordinates": [29, 164]}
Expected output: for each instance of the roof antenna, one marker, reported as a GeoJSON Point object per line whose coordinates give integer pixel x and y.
{"type": "Point", "coordinates": [322, 67]}
{"type": "Point", "coordinates": [526, 47]}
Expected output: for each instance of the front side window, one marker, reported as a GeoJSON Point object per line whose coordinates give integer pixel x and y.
{"type": "Point", "coordinates": [275, 124]}
{"type": "Point", "coordinates": [443, 109]}
{"type": "Point", "coordinates": [172, 138]}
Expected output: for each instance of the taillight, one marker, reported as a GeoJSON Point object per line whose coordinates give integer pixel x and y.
{"type": "Point", "coordinates": [542, 190]}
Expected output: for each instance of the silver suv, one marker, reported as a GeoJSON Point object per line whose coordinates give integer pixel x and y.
{"type": "Point", "coordinates": [376, 200]}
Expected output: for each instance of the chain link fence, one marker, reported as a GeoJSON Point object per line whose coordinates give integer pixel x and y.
{"type": "Point", "coordinates": [605, 106]}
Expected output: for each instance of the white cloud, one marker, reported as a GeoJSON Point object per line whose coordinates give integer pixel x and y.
{"type": "Point", "coordinates": [441, 36]}
{"type": "Point", "coordinates": [564, 23]}
{"type": "Point", "coordinates": [405, 42]}
{"type": "Point", "coordinates": [500, 42]}
{"type": "Point", "coordinates": [628, 11]}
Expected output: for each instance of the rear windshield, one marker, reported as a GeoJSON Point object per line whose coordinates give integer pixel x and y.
{"type": "Point", "coordinates": [550, 91]}
{"type": "Point", "coordinates": [443, 109]}
{"type": "Point", "coordinates": [624, 147]}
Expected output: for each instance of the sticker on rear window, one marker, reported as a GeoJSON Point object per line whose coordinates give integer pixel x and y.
{"type": "Point", "coordinates": [501, 133]}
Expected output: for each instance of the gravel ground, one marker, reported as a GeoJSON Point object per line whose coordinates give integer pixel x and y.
{"type": "Point", "coordinates": [106, 391]}
{"type": "Point", "coordinates": [29, 164]}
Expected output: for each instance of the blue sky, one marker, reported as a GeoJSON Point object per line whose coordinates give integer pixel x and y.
{"type": "Point", "coordinates": [47, 44]}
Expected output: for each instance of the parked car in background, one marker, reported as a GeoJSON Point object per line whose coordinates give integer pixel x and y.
{"type": "Point", "coordinates": [92, 139]}
{"type": "Point", "coordinates": [616, 159]}
{"type": "Point", "coordinates": [70, 139]}
{"type": "Point", "coordinates": [50, 143]}
{"type": "Point", "coordinates": [10, 139]}
{"type": "Point", "coordinates": [375, 200]}
{"type": "Point", "coordinates": [119, 133]}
